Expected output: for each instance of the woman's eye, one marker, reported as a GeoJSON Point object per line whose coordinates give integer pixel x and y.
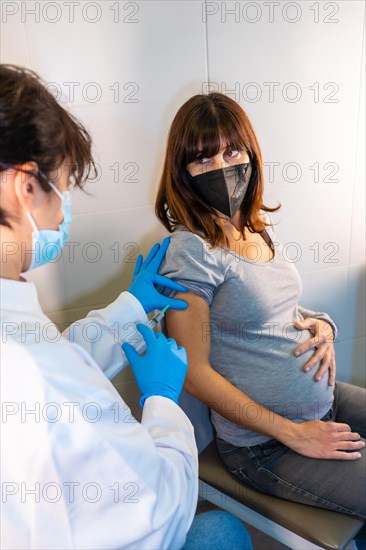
{"type": "Point", "coordinates": [232, 153]}
{"type": "Point", "coordinates": [202, 160]}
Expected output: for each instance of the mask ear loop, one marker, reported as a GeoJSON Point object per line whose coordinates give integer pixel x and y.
{"type": "Point", "coordinates": [32, 222]}
{"type": "Point", "coordinates": [56, 190]}
{"type": "Point", "coordinates": [52, 185]}
{"type": "Point", "coordinates": [29, 215]}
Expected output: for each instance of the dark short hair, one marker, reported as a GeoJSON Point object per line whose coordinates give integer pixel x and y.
{"type": "Point", "coordinates": [198, 129]}
{"type": "Point", "coordinates": [34, 127]}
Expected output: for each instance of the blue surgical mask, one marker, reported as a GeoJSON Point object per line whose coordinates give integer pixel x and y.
{"type": "Point", "coordinates": [47, 243]}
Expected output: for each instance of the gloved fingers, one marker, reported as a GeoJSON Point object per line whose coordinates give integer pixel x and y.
{"type": "Point", "coordinates": [148, 335]}
{"type": "Point", "coordinates": [182, 354]}
{"type": "Point", "coordinates": [138, 265]}
{"type": "Point", "coordinates": [160, 336]}
{"type": "Point", "coordinates": [173, 303]}
{"type": "Point", "coordinates": [131, 353]}
{"type": "Point", "coordinates": [179, 351]}
{"type": "Point", "coordinates": [159, 256]}
{"type": "Point", "coordinates": [165, 281]}
{"type": "Point", "coordinates": [174, 346]}
{"type": "Point", "coordinates": [151, 255]}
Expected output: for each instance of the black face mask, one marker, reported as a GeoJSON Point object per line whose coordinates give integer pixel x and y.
{"type": "Point", "coordinates": [223, 189]}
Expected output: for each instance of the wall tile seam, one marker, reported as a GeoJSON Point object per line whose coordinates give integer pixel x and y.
{"type": "Point", "coordinates": [317, 271]}
{"type": "Point", "coordinates": [333, 268]}
{"type": "Point", "coordinates": [87, 308]}
{"type": "Point", "coordinates": [93, 307]}
{"type": "Point", "coordinates": [108, 211]}
{"type": "Point", "coordinates": [101, 103]}
{"type": "Point", "coordinates": [354, 82]}
{"type": "Point", "coordinates": [29, 49]}
{"type": "Point", "coordinates": [119, 104]}
{"type": "Point", "coordinates": [357, 153]}
{"type": "Point", "coordinates": [282, 189]}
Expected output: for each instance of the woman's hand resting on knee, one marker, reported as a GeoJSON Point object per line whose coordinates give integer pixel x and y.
{"type": "Point", "coordinates": [319, 439]}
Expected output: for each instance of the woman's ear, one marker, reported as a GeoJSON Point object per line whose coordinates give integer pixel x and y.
{"type": "Point", "coordinates": [26, 186]}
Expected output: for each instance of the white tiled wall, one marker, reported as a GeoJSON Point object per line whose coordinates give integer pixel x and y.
{"type": "Point", "coordinates": [313, 148]}
{"type": "Point", "coordinates": [132, 64]}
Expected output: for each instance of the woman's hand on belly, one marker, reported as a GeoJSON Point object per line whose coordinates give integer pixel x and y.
{"type": "Point", "coordinates": [318, 439]}
{"type": "Point", "coordinates": [322, 342]}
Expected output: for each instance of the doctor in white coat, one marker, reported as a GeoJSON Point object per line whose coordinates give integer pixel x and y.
{"type": "Point", "coordinates": [77, 470]}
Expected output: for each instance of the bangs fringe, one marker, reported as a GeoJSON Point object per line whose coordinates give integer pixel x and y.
{"type": "Point", "coordinates": [208, 134]}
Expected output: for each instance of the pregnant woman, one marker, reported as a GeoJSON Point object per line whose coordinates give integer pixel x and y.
{"type": "Point", "coordinates": [262, 363]}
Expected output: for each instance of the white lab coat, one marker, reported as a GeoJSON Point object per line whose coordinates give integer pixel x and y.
{"type": "Point", "coordinates": [77, 470]}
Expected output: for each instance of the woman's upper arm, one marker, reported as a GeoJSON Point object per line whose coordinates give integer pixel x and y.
{"type": "Point", "coordinates": [189, 328]}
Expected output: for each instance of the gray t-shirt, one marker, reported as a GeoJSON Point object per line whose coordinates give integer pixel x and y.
{"type": "Point", "coordinates": [253, 306]}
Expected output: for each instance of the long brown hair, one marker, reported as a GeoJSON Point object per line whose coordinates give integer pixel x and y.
{"type": "Point", "coordinates": [198, 129]}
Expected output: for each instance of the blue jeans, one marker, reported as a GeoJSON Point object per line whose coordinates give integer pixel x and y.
{"type": "Point", "coordinates": [217, 530]}
{"type": "Point", "coordinates": [275, 469]}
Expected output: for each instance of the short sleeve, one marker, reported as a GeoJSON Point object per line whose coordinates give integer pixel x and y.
{"type": "Point", "coordinates": [192, 262]}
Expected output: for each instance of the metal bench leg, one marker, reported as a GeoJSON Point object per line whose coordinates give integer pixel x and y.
{"type": "Point", "coordinates": [258, 521]}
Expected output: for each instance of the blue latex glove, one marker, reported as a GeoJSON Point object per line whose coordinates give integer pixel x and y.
{"type": "Point", "coordinates": [145, 277]}
{"type": "Point", "coordinates": [163, 367]}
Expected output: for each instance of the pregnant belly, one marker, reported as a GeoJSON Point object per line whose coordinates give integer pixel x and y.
{"type": "Point", "coordinates": [266, 369]}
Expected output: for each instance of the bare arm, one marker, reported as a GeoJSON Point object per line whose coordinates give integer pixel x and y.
{"type": "Point", "coordinates": [316, 439]}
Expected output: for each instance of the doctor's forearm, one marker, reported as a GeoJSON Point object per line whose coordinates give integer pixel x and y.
{"type": "Point", "coordinates": [177, 477]}
{"type": "Point", "coordinates": [100, 334]}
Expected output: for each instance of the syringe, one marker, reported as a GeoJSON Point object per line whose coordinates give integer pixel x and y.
{"type": "Point", "coordinates": [157, 318]}
{"type": "Point", "coordinates": [140, 346]}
